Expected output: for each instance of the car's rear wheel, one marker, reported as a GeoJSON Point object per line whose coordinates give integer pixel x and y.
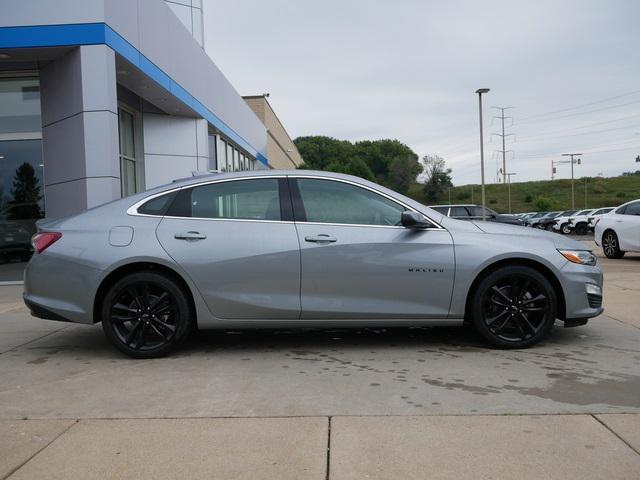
{"type": "Point", "coordinates": [611, 245]}
{"type": "Point", "coordinates": [146, 315]}
{"type": "Point", "coordinates": [514, 307]}
{"type": "Point", "coordinates": [566, 228]}
{"type": "Point", "coordinates": [581, 229]}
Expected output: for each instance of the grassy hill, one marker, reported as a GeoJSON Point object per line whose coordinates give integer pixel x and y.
{"type": "Point", "coordinates": [530, 196]}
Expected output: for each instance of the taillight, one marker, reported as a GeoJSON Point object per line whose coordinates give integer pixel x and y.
{"type": "Point", "coordinates": [43, 240]}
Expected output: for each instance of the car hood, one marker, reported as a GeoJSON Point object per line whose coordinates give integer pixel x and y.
{"type": "Point", "coordinates": [505, 229]}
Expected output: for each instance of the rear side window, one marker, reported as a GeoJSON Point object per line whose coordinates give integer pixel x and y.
{"type": "Point", "coordinates": [257, 199]}
{"type": "Point", "coordinates": [158, 205]}
{"type": "Point", "coordinates": [632, 209]}
{"type": "Point", "coordinates": [459, 212]}
{"type": "Point", "coordinates": [442, 210]}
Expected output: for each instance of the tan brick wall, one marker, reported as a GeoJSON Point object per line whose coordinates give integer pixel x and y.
{"type": "Point", "coordinates": [281, 150]}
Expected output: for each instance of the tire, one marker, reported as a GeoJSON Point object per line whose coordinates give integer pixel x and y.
{"type": "Point", "coordinates": [514, 307]}
{"type": "Point", "coordinates": [611, 245]}
{"type": "Point", "coordinates": [146, 315]}
{"type": "Point", "coordinates": [581, 229]}
{"type": "Point", "coordinates": [549, 227]}
{"type": "Point", "coordinates": [565, 228]}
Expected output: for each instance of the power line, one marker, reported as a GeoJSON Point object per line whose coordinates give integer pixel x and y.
{"type": "Point", "coordinates": [579, 113]}
{"type": "Point", "coordinates": [580, 106]}
{"type": "Point", "coordinates": [591, 132]}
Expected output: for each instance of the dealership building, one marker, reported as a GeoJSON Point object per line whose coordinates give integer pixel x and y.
{"type": "Point", "coordinates": [100, 99]}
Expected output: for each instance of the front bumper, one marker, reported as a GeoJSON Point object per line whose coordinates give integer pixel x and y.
{"type": "Point", "coordinates": [581, 304]}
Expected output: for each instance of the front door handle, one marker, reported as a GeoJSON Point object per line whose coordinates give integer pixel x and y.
{"type": "Point", "coordinates": [321, 238]}
{"type": "Point", "coordinates": [190, 236]}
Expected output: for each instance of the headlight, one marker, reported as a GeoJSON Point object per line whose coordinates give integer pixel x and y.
{"type": "Point", "coordinates": [581, 257]}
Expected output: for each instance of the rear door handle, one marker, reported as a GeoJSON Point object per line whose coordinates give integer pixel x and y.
{"type": "Point", "coordinates": [321, 238]}
{"type": "Point", "coordinates": [190, 236]}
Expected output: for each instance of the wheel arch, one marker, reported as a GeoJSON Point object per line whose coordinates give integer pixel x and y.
{"type": "Point", "coordinates": [540, 267]}
{"type": "Point", "coordinates": [135, 267]}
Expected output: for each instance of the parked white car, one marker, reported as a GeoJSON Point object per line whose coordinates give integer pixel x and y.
{"type": "Point", "coordinates": [582, 224]}
{"type": "Point", "coordinates": [619, 231]}
{"type": "Point", "coordinates": [562, 223]}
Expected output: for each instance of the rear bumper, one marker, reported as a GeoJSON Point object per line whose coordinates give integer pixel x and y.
{"type": "Point", "coordinates": [60, 289]}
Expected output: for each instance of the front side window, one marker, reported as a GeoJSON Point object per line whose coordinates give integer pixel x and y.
{"type": "Point", "coordinates": [632, 209]}
{"type": "Point", "coordinates": [327, 201]}
{"type": "Point", "coordinates": [242, 199]}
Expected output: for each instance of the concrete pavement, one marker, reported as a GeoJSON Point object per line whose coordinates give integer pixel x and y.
{"type": "Point", "coordinates": [390, 447]}
{"type": "Point", "coordinates": [371, 403]}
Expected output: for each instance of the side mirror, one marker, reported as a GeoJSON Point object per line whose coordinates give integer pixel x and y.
{"type": "Point", "coordinates": [411, 219]}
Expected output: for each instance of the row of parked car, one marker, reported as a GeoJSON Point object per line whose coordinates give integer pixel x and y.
{"type": "Point", "coordinates": [579, 222]}
{"type": "Point", "coordinates": [616, 229]}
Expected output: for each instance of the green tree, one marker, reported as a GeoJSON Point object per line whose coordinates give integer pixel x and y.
{"type": "Point", "coordinates": [542, 204]}
{"type": "Point", "coordinates": [437, 177]}
{"type": "Point", "coordinates": [402, 173]}
{"type": "Point", "coordinates": [388, 162]}
{"type": "Point", "coordinates": [26, 186]}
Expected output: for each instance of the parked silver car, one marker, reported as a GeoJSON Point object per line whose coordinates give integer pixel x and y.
{"type": "Point", "coordinates": [300, 249]}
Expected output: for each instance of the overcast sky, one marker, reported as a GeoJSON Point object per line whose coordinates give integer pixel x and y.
{"type": "Point", "coordinates": [408, 69]}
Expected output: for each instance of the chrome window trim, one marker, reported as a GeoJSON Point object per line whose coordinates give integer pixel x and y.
{"type": "Point", "coordinates": [436, 225]}
{"type": "Point", "coordinates": [133, 209]}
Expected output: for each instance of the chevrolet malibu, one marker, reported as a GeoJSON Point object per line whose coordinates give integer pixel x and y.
{"type": "Point", "coordinates": [300, 249]}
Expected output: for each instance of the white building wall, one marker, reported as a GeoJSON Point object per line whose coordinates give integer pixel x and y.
{"type": "Point", "coordinates": [190, 14]}
{"type": "Point", "coordinates": [174, 147]}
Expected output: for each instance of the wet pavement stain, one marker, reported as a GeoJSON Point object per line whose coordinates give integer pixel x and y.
{"type": "Point", "coordinates": [38, 361]}
{"type": "Point", "coordinates": [569, 388]}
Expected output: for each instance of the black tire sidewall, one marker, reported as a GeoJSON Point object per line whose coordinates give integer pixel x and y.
{"type": "Point", "coordinates": [487, 282]}
{"type": "Point", "coordinates": [184, 313]}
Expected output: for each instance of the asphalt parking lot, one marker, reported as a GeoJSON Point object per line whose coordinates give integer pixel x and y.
{"type": "Point", "coordinates": [339, 404]}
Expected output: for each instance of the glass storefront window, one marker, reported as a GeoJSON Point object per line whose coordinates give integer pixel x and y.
{"type": "Point", "coordinates": [213, 154]}
{"type": "Point", "coordinates": [128, 152]}
{"type": "Point", "coordinates": [21, 172]}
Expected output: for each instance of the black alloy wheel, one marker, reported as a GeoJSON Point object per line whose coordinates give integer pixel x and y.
{"type": "Point", "coordinates": [610, 245]}
{"type": "Point", "coordinates": [146, 315]}
{"type": "Point", "coordinates": [514, 307]}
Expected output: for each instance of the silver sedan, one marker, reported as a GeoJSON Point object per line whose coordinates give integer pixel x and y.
{"type": "Point", "coordinates": [300, 249]}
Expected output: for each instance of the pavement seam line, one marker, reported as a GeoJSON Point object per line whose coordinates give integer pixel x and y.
{"type": "Point", "coordinates": [328, 448]}
{"type": "Point", "coordinates": [35, 339]}
{"type": "Point", "coordinates": [39, 450]}
{"type": "Point", "coordinates": [614, 433]}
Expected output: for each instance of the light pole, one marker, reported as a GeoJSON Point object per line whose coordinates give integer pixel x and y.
{"type": "Point", "coordinates": [572, 162]}
{"type": "Point", "coordinates": [480, 91]}
{"type": "Point", "coordinates": [508, 175]}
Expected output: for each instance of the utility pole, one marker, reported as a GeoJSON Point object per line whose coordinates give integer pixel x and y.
{"type": "Point", "coordinates": [572, 162]}
{"type": "Point", "coordinates": [480, 91]}
{"type": "Point", "coordinates": [503, 137]}
{"type": "Point", "coordinates": [508, 175]}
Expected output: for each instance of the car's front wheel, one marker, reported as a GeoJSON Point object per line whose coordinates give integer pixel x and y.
{"type": "Point", "coordinates": [566, 228]}
{"type": "Point", "coordinates": [611, 245]}
{"type": "Point", "coordinates": [514, 307]}
{"type": "Point", "coordinates": [146, 315]}
{"type": "Point", "coordinates": [581, 229]}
